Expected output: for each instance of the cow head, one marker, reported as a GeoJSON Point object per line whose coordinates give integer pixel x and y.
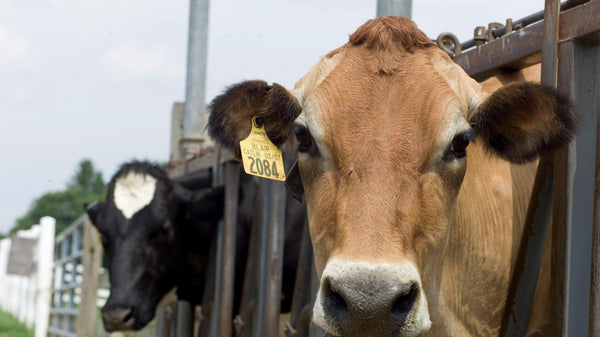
{"type": "Point", "coordinates": [142, 226]}
{"type": "Point", "coordinates": [382, 127]}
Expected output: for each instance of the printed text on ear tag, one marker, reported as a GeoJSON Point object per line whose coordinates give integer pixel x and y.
{"type": "Point", "coordinates": [260, 156]}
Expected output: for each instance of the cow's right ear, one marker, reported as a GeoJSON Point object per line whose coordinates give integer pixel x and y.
{"type": "Point", "coordinates": [92, 209]}
{"type": "Point", "coordinates": [231, 113]}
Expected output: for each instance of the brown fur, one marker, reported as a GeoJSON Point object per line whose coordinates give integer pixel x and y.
{"type": "Point", "coordinates": [231, 115]}
{"type": "Point", "coordinates": [382, 108]}
{"type": "Point", "coordinates": [522, 121]}
{"type": "Point", "coordinates": [389, 38]}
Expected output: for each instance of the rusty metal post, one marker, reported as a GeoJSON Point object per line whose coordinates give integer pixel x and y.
{"type": "Point", "coordinates": [244, 321]}
{"type": "Point", "coordinates": [531, 250]}
{"type": "Point", "coordinates": [301, 299]}
{"type": "Point", "coordinates": [561, 215]}
{"type": "Point", "coordinates": [208, 326]}
{"type": "Point", "coordinates": [394, 7]}
{"type": "Point", "coordinates": [271, 261]}
{"type": "Point", "coordinates": [537, 222]}
{"type": "Point", "coordinates": [194, 114]}
{"type": "Point", "coordinates": [572, 247]}
{"type": "Point", "coordinates": [225, 296]}
{"type": "Point", "coordinates": [185, 322]}
{"type": "Point", "coordinates": [594, 327]}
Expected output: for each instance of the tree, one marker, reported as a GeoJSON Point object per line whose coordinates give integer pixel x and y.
{"type": "Point", "coordinates": [66, 206]}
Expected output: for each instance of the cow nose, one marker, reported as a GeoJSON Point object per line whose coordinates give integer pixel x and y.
{"type": "Point", "coordinates": [360, 306]}
{"type": "Point", "coordinates": [118, 318]}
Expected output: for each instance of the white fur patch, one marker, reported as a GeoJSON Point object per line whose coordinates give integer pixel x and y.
{"type": "Point", "coordinates": [134, 192]}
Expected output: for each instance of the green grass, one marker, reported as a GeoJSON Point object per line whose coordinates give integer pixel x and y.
{"type": "Point", "coordinates": [10, 327]}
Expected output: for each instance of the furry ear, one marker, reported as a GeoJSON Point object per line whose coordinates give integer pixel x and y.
{"type": "Point", "coordinates": [92, 209]}
{"type": "Point", "coordinates": [522, 121]}
{"type": "Point", "coordinates": [231, 113]}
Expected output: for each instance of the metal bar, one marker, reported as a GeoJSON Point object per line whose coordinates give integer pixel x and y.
{"type": "Point", "coordinates": [564, 169]}
{"type": "Point", "coordinates": [522, 49]}
{"type": "Point", "coordinates": [523, 22]}
{"type": "Point", "coordinates": [302, 286]}
{"type": "Point", "coordinates": [594, 327]}
{"type": "Point", "coordinates": [184, 321]}
{"type": "Point", "coordinates": [59, 332]}
{"type": "Point", "coordinates": [208, 327]}
{"type": "Point", "coordinates": [587, 68]}
{"type": "Point", "coordinates": [537, 223]}
{"type": "Point", "coordinates": [244, 322]}
{"type": "Point", "coordinates": [159, 329]}
{"type": "Point", "coordinates": [71, 258]}
{"type": "Point", "coordinates": [62, 311]}
{"type": "Point", "coordinates": [194, 112]}
{"type": "Point", "coordinates": [274, 263]}
{"type": "Point", "coordinates": [531, 250]}
{"type": "Point", "coordinates": [394, 7]}
{"type": "Point", "coordinates": [67, 231]}
{"type": "Point", "coordinates": [264, 198]}
{"type": "Point", "coordinates": [225, 296]}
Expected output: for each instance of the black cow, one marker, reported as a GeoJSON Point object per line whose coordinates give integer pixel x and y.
{"type": "Point", "coordinates": [157, 234]}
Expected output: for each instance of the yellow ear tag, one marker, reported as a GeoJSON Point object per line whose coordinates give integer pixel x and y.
{"type": "Point", "coordinates": [260, 156]}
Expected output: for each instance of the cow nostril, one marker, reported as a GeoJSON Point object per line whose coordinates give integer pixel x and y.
{"type": "Point", "coordinates": [335, 305]}
{"type": "Point", "coordinates": [127, 317]}
{"type": "Point", "coordinates": [405, 301]}
{"type": "Point", "coordinates": [118, 319]}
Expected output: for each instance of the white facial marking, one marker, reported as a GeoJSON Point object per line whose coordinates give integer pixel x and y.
{"type": "Point", "coordinates": [133, 192]}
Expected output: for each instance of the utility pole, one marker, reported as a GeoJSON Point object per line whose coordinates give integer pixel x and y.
{"type": "Point", "coordinates": [195, 115]}
{"type": "Point", "coordinates": [394, 7]}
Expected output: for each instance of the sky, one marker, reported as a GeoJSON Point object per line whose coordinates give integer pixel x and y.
{"type": "Point", "coordinates": [97, 79]}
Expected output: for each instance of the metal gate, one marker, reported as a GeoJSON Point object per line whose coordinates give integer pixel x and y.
{"type": "Point", "coordinates": [567, 43]}
{"type": "Point", "coordinates": [77, 260]}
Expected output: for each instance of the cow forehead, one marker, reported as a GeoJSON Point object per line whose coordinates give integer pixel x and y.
{"type": "Point", "coordinates": [133, 192]}
{"type": "Point", "coordinates": [352, 112]}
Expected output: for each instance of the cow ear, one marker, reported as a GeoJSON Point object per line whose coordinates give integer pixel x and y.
{"type": "Point", "coordinates": [231, 113]}
{"type": "Point", "coordinates": [207, 204]}
{"type": "Point", "coordinates": [92, 209]}
{"type": "Point", "coordinates": [522, 121]}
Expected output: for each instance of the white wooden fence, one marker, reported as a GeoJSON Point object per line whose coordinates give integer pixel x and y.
{"type": "Point", "coordinates": [26, 261]}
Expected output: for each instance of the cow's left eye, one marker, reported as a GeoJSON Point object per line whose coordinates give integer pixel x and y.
{"type": "Point", "coordinates": [458, 147]}
{"type": "Point", "coordinates": [304, 138]}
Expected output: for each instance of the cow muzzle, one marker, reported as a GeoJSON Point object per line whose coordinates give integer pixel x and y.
{"type": "Point", "coordinates": [118, 319]}
{"type": "Point", "coordinates": [362, 299]}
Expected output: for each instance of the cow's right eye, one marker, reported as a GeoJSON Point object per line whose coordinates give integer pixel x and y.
{"type": "Point", "coordinates": [304, 138]}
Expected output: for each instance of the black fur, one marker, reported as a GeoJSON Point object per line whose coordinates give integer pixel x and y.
{"type": "Point", "coordinates": [523, 121]}
{"type": "Point", "coordinates": [231, 113]}
{"type": "Point", "coordinates": [167, 244]}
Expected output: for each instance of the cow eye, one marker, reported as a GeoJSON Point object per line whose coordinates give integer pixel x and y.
{"type": "Point", "coordinates": [304, 138]}
{"type": "Point", "coordinates": [458, 147]}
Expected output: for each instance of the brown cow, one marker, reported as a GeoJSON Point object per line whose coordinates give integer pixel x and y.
{"type": "Point", "coordinates": [409, 236]}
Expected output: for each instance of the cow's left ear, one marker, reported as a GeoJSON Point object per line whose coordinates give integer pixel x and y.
{"type": "Point", "coordinates": [231, 113]}
{"type": "Point", "coordinates": [92, 209]}
{"type": "Point", "coordinates": [522, 121]}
